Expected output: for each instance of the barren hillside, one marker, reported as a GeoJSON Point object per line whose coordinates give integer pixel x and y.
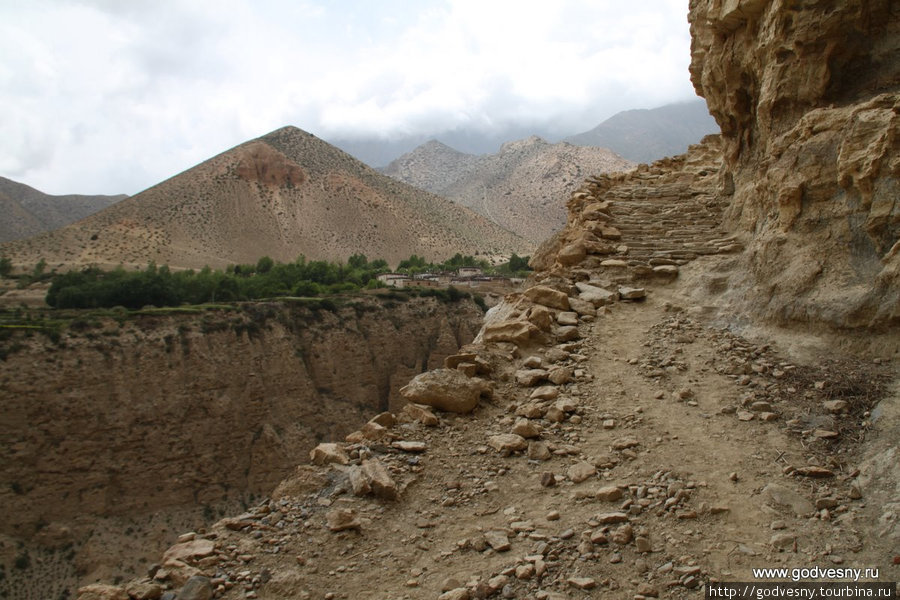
{"type": "Point", "coordinates": [521, 187]}
{"type": "Point", "coordinates": [28, 212]}
{"type": "Point", "coordinates": [282, 195]}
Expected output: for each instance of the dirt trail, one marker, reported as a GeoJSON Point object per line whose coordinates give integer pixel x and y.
{"type": "Point", "coordinates": [670, 411]}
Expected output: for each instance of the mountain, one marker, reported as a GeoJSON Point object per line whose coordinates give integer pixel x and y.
{"type": "Point", "coordinates": [284, 194]}
{"type": "Point", "coordinates": [646, 135]}
{"type": "Point", "coordinates": [27, 212]}
{"type": "Point", "coordinates": [523, 187]}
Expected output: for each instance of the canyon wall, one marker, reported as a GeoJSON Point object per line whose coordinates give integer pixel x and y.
{"type": "Point", "coordinates": [806, 94]}
{"type": "Point", "coordinates": [152, 413]}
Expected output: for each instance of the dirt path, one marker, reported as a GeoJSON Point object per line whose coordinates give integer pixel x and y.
{"type": "Point", "coordinates": [677, 462]}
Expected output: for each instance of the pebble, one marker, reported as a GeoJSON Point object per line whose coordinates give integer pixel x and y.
{"type": "Point", "coordinates": [582, 583]}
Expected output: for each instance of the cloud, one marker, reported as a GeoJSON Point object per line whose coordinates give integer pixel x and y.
{"type": "Point", "coordinates": [107, 96]}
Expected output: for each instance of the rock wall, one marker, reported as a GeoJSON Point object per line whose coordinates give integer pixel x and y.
{"type": "Point", "coordinates": [806, 94]}
{"type": "Point", "coordinates": [165, 411]}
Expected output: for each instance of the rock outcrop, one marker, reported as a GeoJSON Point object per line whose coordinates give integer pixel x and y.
{"type": "Point", "coordinates": [807, 99]}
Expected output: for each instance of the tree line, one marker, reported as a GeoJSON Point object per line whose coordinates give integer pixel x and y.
{"type": "Point", "coordinates": [160, 286]}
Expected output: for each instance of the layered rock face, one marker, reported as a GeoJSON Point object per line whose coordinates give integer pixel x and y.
{"type": "Point", "coordinates": [807, 98]}
{"type": "Point", "coordinates": [166, 411]}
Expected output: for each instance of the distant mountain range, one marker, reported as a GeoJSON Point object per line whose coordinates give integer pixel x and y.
{"type": "Point", "coordinates": [523, 187]}
{"type": "Point", "coordinates": [284, 194]}
{"type": "Point", "coordinates": [647, 135]}
{"type": "Point", "coordinates": [638, 135]}
{"type": "Point", "coordinates": [26, 211]}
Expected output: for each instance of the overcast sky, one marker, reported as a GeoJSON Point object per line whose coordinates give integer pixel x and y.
{"type": "Point", "coordinates": [113, 96]}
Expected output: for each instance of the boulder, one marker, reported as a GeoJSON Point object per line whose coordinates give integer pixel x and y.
{"type": "Point", "coordinates": [381, 482]}
{"type": "Point", "coordinates": [515, 331]}
{"type": "Point", "coordinates": [630, 293]}
{"type": "Point", "coordinates": [571, 254]}
{"type": "Point", "coordinates": [597, 296]}
{"type": "Point", "coordinates": [447, 389]}
{"type": "Point", "coordinates": [341, 519]}
{"type": "Point", "coordinates": [540, 316]}
{"type": "Point", "coordinates": [421, 414]}
{"type": "Point", "coordinates": [197, 587]}
{"type": "Point", "coordinates": [99, 591]}
{"type": "Point", "coordinates": [192, 550]}
{"type": "Point", "coordinates": [507, 443]}
{"type": "Point", "coordinates": [328, 453]}
{"type": "Point", "coordinates": [542, 294]}
{"type": "Point", "coordinates": [530, 377]}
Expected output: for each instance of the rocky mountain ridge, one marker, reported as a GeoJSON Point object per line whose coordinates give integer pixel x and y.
{"type": "Point", "coordinates": [27, 212]}
{"type": "Point", "coordinates": [520, 187]}
{"type": "Point", "coordinates": [282, 195]}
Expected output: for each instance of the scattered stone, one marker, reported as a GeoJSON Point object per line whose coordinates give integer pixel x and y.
{"type": "Point", "coordinates": [630, 293]}
{"type": "Point", "coordinates": [413, 447]}
{"type": "Point", "coordinates": [582, 583]}
{"type": "Point", "coordinates": [526, 429]}
{"type": "Point", "coordinates": [341, 519]}
{"type": "Point", "coordinates": [525, 572]}
{"type": "Point", "coordinates": [532, 362]}
{"type": "Point", "coordinates": [582, 307]}
{"type": "Point", "coordinates": [516, 332]}
{"type": "Point", "coordinates": [567, 334]}
{"type": "Point", "coordinates": [571, 254]}
{"type": "Point", "coordinates": [561, 375]}
{"type": "Point", "coordinates": [642, 545]}
{"type": "Point", "coordinates": [567, 318]}
{"type": "Point", "coordinates": [623, 535]}
{"type": "Point", "coordinates": [782, 541]}
{"type": "Point", "coordinates": [457, 594]}
{"type": "Point", "coordinates": [538, 451]}
{"type": "Point", "coordinates": [328, 453]}
{"type": "Point", "coordinates": [507, 443]}
{"type": "Point", "coordinates": [385, 419]}
{"type": "Point", "coordinates": [359, 483]}
{"type": "Point", "coordinates": [744, 415]}
{"type": "Point", "coordinates": [545, 392]}
{"type": "Point", "coordinates": [825, 434]}
{"type": "Point", "coordinates": [623, 443]}
{"type": "Point", "coordinates": [826, 502]}
{"type": "Point", "coordinates": [609, 493]}
{"type": "Point", "coordinates": [421, 414]}
{"type": "Point", "coordinates": [548, 479]}
{"type": "Point", "coordinates": [144, 590]}
{"type": "Point", "coordinates": [196, 588]}
{"type": "Point", "coordinates": [814, 471]}
{"type": "Point", "coordinates": [611, 518]}
{"type": "Point", "coordinates": [581, 471]}
{"type": "Point", "coordinates": [530, 377]}
{"type": "Point", "coordinates": [497, 540]}
{"type": "Point", "coordinates": [555, 415]}
{"type": "Point", "coordinates": [855, 491]}
{"type": "Point", "coordinates": [383, 486]}
{"type": "Point", "coordinates": [597, 296]}
{"type": "Point", "coordinates": [609, 424]}
{"type": "Point", "coordinates": [447, 389]}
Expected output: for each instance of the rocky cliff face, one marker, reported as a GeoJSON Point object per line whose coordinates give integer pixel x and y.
{"type": "Point", "coordinates": [807, 98]}
{"type": "Point", "coordinates": [172, 411]}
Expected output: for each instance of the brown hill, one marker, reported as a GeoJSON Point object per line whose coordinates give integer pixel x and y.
{"type": "Point", "coordinates": [285, 194]}
{"type": "Point", "coordinates": [27, 211]}
{"type": "Point", "coordinates": [521, 187]}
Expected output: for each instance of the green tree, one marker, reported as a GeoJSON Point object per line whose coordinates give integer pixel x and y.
{"type": "Point", "coordinates": [5, 266]}
{"type": "Point", "coordinates": [264, 264]}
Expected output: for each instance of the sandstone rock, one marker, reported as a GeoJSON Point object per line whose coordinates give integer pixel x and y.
{"type": "Point", "coordinates": [540, 316]}
{"type": "Point", "coordinates": [581, 471]}
{"type": "Point", "coordinates": [328, 453]}
{"type": "Point", "coordinates": [421, 414]}
{"type": "Point", "coordinates": [531, 410]}
{"type": "Point", "coordinates": [555, 415]}
{"type": "Point", "coordinates": [642, 545]}
{"type": "Point", "coordinates": [453, 361]}
{"type": "Point", "coordinates": [665, 271]}
{"type": "Point", "coordinates": [561, 375]}
{"type": "Point", "coordinates": [385, 419]}
{"type": "Point", "coordinates": [99, 591]}
{"type": "Point", "coordinates": [597, 296]}
{"type": "Point", "coordinates": [507, 443]}
{"type": "Point", "coordinates": [532, 362]}
{"type": "Point", "coordinates": [526, 429]}
{"type": "Point", "coordinates": [835, 406]}
{"type": "Point", "coordinates": [614, 263]}
{"type": "Point", "coordinates": [342, 519]}
{"type": "Point", "coordinates": [610, 518]}
{"type": "Point", "coordinates": [408, 446]}
{"type": "Point", "coordinates": [783, 541]}
{"type": "Point", "coordinates": [814, 471]}
{"type": "Point", "coordinates": [497, 540]}
{"type": "Point", "coordinates": [530, 377]}
{"type": "Point", "coordinates": [196, 588]}
{"type": "Point", "coordinates": [144, 590]}
{"type": "Point", "coordinates": [567, 334]}
{"type": "Point", "coordinates": [582, 583]}
{"type": "Point", "coordinates": [188, 551]}
{"type": "Point", "coordinates": [447, 390]}
{"type": "Point", "coordinates": [455, 594]}
{"type": "Point", "coordinates": [383, 485]}
{"type": "Point", "coordinates": [359, 483]}
{"type": "Point", "coordinates": [623, 535]}
{"type": "Point", "coordinates": [538, 451]}
{"type": "Point", "coordinates": [567, 318]}
{"type": "Point", "coordinates": [513, 331]}
{"type": "Point", "coordinates": [545, 392]}
{"type": "Point", "coordinates": [609, 493]}
{"type": "Point", "coordinates": [571, 254]}
{"type": "Point", "coordinates": [630, 293]}
{"type": "Point", "coordinates": [582, 307]}
{"type": "Point", "coordinates": [547, 296]}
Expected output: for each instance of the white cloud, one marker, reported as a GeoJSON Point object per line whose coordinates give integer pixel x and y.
{"type": "Point", "coordinates": [105, 96]}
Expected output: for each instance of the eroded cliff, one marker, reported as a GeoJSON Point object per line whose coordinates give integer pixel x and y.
{"type": "Point", "coordinates": [806, 94]}
{"type": "Point", "coordinates": [127, 420]}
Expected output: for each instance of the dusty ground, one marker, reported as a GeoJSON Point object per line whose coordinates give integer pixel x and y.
{"type": "Point", "coordinates": [670, 410]}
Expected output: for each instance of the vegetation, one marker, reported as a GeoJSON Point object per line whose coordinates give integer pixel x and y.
{"type": "Point", "coordinates": [5, 267]}
{"type": "Point", "coordinates": [161, 287]}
